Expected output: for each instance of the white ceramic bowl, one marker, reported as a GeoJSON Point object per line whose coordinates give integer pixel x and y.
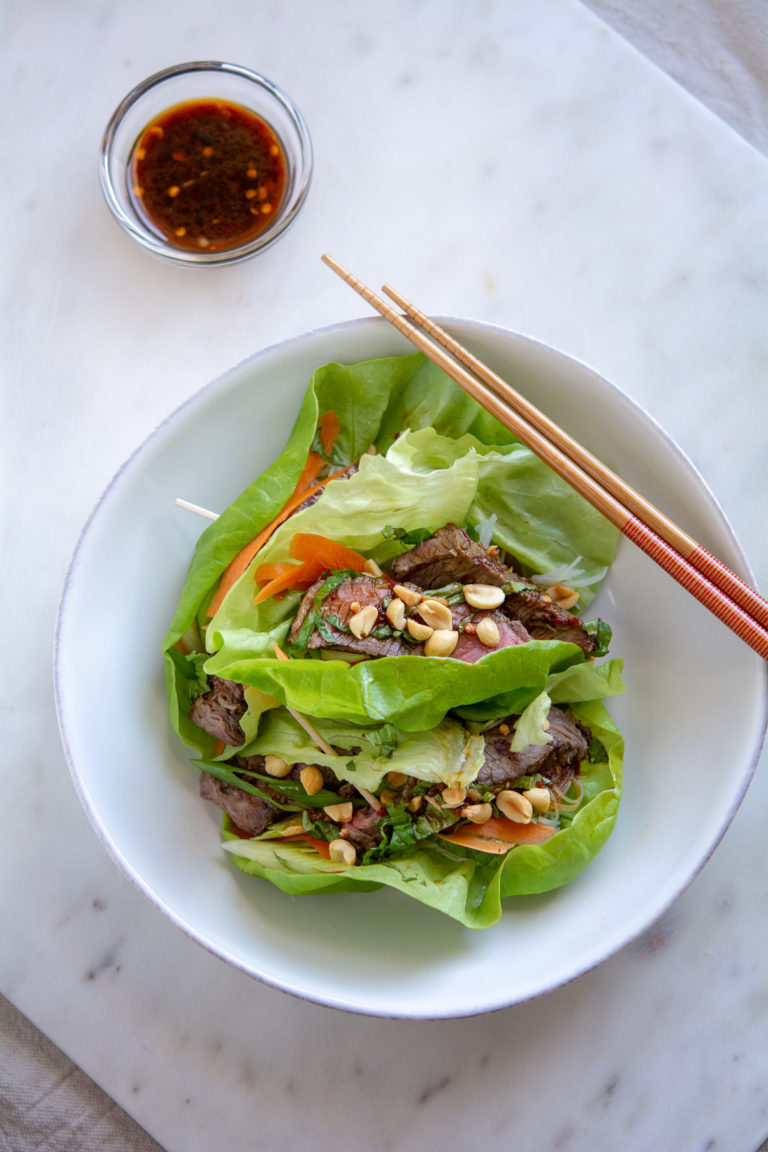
{"type": "Point", "coordinates": [693, 713]}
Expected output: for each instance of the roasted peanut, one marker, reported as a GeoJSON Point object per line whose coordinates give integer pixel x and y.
{"type": "Point", "coordinates": [396, 613]}
{"type": "Point", "coordinates": [276, 766]}
{"type": "Point", "coordinates": [340, 813]}
{"type": "Point", "coordinates": [441, 643]}
{"type": "Point", "coordinates": [362, 623]}
{"type": "Point", "coordinates": [539, 798]}
{"type": "Point", "coordinates": [417, 630]}
{"type": "Point", "coordinates": [565, 597]}
{"type": "Point", "coordinates": [483, 595]}
{"type": "Point", "coordinates": [453, 797]}
{"type": "Point", "coordinates": [515, 806]}
{"type": "Point", "coordinates": [342, 852]}
{"type": "Point", "coordinates": [408, 596]}
{"type": "Point", "coordinates": [487, 632]}
{"type": "Point", "coordinates": [436, 614]}
{"type": "Point", "coordinates": [477, 813]}
{"type": "Point", "coordinates": [311, 779]}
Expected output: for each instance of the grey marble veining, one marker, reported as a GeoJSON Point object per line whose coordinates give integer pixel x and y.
{"type": "Point", "coordinates": [511, 162]}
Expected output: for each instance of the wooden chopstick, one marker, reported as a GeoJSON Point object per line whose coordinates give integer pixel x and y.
{"type": "Point", "coordinates": [750, 600]}
{"type": "Point", "coordinates": [549, 442]}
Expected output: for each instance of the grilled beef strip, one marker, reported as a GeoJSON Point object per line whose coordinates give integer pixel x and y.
{"type": "Point", "coordinates": [448, 557]}
{"type": "Point", "coordinates": [220, 710]}
{"type": "Point", "coordinates": [562, 754]}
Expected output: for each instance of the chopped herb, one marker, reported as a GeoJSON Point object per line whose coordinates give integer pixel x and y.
{"type": "Point", "coordinates": [602, 633]}
{"type": "Point", "coordinates": [407, 539]}
{"type": "Point", "coordinates": [597, 753]}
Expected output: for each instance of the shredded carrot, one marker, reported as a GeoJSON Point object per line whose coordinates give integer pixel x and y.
{"type": "Point", "coordinates": [310, 471]}
{"type": "Point", "coordinates": [498, 835]}
{"type": "Point", "coordinates": [317, 553]}
{"type": "Point", "coordinates": [266, 572]}
{"type": "Point", "coordinates": [328, 427]}
{"type": "Point", "coordinates": [218, 747]}
{"type": "Point", "coordinates": [308, 546]}
{"type": "Point", "coordinates": [242, 560]}
{"type": "Point", "coordinates": [297, 577]}
{"type": "Point", "coordinates": [182, 647]}
{"type": "Point", "coordinates": [319, 845]}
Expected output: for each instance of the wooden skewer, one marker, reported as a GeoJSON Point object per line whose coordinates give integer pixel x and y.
{"type": "Point", "coordinates": [681, 568]}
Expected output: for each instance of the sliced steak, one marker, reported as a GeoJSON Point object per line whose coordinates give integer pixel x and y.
{"type": "Point", "coordinates": [250, 814]}
{"type": "Point", "coordinates": [563, 753]}
{"type": "Point", "coordinates": [220, 710]}
{"type": "Point", "coordinates": [448, 557]}
{"type": "Point", "coordinates": [544, 620]}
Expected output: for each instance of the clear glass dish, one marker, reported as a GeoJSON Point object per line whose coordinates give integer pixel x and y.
{"type": "Point", "coordinates": [203, 80]}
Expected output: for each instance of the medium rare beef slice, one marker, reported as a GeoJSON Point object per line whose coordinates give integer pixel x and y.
{"type": "Point", "coordinates": [220, 710]}
{"type": "Point", "coordinates": [469, 647]}
{"type": "Point", "coordinates": [331, 628]}
{"type": "Point", "coordinates": [564, 752]}
{"type": "Point", "coordinates": [448, 557]}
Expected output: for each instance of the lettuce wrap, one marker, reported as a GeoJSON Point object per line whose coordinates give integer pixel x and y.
{"type": "Point", "coordinates": [407, 453]}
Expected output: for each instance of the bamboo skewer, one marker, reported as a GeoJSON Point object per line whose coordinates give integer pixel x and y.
{"type": "Point", "coordinates": [696, 580]}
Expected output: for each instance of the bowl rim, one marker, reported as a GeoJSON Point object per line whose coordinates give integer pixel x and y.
{"type": "Point", "coordinates": [132, 224]}
{"type": "Point", "coordinates": [482, 1005]}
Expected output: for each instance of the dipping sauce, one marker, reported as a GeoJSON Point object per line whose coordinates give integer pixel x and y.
{"type": "Point", "coordinates": [208, 175]}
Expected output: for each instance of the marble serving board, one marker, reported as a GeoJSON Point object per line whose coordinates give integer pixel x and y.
{"type": "Point", "coordinates": [512, 162]}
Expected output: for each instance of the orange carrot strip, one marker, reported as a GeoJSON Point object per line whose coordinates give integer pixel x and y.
{"type": "Point", "coordinates": [310, 471]}
{"type": "Point", "coordinates": [299, 576]}
{"type": "Point", "coordinates": [218, 747]}
{"type": "Point", "coordinates": [266, 572]}
{"type": "Point", "coordinates": [328, 427]}
{"type": "Point", "coordinates": [498, 835]}
{"type": "Point", "coordinates": [309, 546]}
{"type": "Point", "coordinates": [320, 846]}
{"type": "Point", "coordinates": [242, 560]}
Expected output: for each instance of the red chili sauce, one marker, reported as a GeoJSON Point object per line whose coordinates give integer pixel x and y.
{"type": "Point", "coordinates": [208, 175]}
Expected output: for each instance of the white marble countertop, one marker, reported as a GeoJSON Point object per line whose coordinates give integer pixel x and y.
{"type": "Point", "coordinates": [606, 211]}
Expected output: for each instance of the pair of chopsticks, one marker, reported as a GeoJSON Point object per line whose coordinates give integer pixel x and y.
{"type": "Point", "coordinates": [720, 590]}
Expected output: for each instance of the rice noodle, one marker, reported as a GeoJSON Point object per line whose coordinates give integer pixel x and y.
{"type": "Point", "coordinates": [485, 530]}
{"type": "Point", "coordinates": [566, 805]}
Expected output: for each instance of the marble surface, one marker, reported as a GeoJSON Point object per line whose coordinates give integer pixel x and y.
{"type": "Point", "coordinates": [510, 162]}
